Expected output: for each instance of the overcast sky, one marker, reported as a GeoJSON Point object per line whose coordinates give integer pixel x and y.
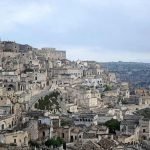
{"type": "Point", "coordinates": [102, 30]}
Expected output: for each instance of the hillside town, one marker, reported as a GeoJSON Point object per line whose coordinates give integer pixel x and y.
{"type": "Point", "coordinates": [48, 102]}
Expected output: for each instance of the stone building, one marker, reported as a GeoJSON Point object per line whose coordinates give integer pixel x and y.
{"type": "Point", "coordinates": [45, 128]}
{"type": "Point", "coordinates": [129, 127]}
{"type": "Point", "coordinates": [112, 77]}
{"type": "Point", "coordinates": [87, 98]}
{"type": "Point", "coordinates": [70, 134]}
{"type": "Point", "coordinates": [8, 122]}
{"type": "Point", "coordinates": [86, 119]}
{"type": "Point", "coordinates": [94, 82]}
{"type": "Point", "coordinates": [52, 53]}
{"type": "Point", "coordinates": [19, 138]}
{"type": "Point", "coordinates": [144, 129]}
{"type": "Point", "coordinates": [95, 133]}
{"type": "Point", "coordinates": [10, 80]}
{"type": "Point", "coordinates": [32, 129]}
{"type": "Point", "coordinates": [75, 71]}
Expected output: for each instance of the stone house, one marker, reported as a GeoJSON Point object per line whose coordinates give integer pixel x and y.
{"type": "Point", "coordinates": [61, 80]}
{"type": "Point", "coordinates": [52, 53]}
{"type": "Point", "coordinates": [93, 82]}
{"type": "Point", "coordinates": [113, 93]}
{"type": "Point", "coordinates": [10, 80]}
{"type": "Point", "coordinates": [70, 134]}
{"type": "Point", "coordinates": [125, 93]}
{"type": "Point", "coordinates": [41, 78]}
{"type": "Point", "coordinates": [116, 113]}
{"type": "Point", "coordinates": [32, 129]}
{"type": "Point", "coordinates": [45, 128]}
{"type": "Point", "coordinates": [145, 100]}
{"type": "Point", "coordinates": [75, 71]}
{"type": "Point", "coordinates": [56, 121]}
{"type": "Point", "coordinates": [144, 125]}
{"type": "Point", "coordinates": [20, 138]}
{"type": "Point", "coordinates": [134, 99]}
{"type": "Point", "coordinates": [86, 119]}
{"type": "Point", "coordinates": [88, 73]}
{"type": "Point", "coordinates": [85, 98]}
{"type": "Point", "coordinates": [130, 125]}
{"type": "Point", "coordinates": [112, 77]}
{"type": "Point", "coordinates": [95, 133]}
{"type": "Point", "coordinates": [71, 107]}
{"type": "Point", "coordinates": [8, 122]}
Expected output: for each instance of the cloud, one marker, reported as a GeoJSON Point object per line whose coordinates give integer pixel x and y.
{"type": "Point", "coordinates": [110, 29]}
{"type": "Point", "coordinates": [14, 13]}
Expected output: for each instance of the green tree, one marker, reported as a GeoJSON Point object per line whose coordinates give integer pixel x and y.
{"type": "Point", "coordinates": [54, 142]}
{"type": "Point", "coordinates": [107, 88]}
{"type": "Point", "coordinates": [113, 125]}
{"type": "Point", "coordinates": [66, 122]}
{"type": "Point", "coordinates": [48, 101]}
{"type": "Point", "coordinates": [34, 144]}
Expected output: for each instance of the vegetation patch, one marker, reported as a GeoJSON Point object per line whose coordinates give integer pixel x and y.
{"type": "Point", "coordinates": [113, 125]}
{"type": "Point", "coordinates": [144, 112]}
{"type": "Point", "coordinates": [49, 102]}
{"type": "Point", "coordinates": [55, 142]}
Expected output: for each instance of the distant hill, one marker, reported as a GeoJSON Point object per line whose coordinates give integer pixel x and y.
{"type": "Point", "coordinates": [135, 73]}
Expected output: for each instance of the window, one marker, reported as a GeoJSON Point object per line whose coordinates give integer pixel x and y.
{"type": "Point", "coordinates": [40, 121]}
{"type": "Point", "coordinates": [71, 139]}
{"type": "Point", "coordinates": [43, 134]}
{"type": "Point", "coordinates": [143, 130]}
{"type": "Point", "coordinates": [14, 140]}
{"type": "Point", "coordinates": [63, 135]}
{"type": "Point", "coordinates": [75, 137]}
{"type": "Point", "coordinates": [2, 126]}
